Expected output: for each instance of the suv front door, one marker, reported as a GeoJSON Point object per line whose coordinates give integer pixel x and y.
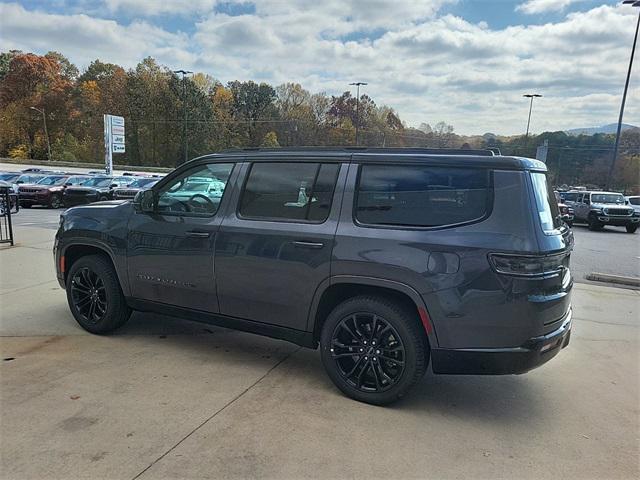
{"type": "Point", "coordinates": [275, 249]}
{"type": "Point", "coordinates": [170, 250]}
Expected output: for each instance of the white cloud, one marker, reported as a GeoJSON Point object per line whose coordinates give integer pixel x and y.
{"type": "Point", "coordinates": [532, 7]}
{"type": "Point", "coordinates": [428, 66]}
{"type": "Point", "coordinates": [157, 7]}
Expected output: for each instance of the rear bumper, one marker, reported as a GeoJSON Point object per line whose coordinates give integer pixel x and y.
{"type": "Point", "coordinates": [503, 361]}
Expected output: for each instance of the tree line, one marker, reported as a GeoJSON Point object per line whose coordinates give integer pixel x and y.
{"type": "Point", "coordinates": [153, 100]}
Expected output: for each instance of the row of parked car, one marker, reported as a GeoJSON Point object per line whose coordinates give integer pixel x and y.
{"type": "Point", "coordinates": [598, 209]}
{"type": "Point", "coordinates": [55, 189]}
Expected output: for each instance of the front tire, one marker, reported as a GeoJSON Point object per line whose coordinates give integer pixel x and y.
{"type": "Point", "coordinates": [56, 201]}
{"type": "Point", "coordinates": [94, 295]}
{"type": "Point", "coordinates": [631, 228]}
{"type": "Point", "coordinates": [594, 225]}
{"type": "Point", "coordinates": [373, 349]}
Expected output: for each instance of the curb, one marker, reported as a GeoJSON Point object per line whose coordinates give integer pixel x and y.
{"type": "Point", "coordinates": [607, 278]}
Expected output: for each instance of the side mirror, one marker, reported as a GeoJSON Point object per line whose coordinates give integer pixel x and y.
{"type": "Point", "coordinates": [20, 182]}
{"type": "Point", "coordinates": [144, 201]}
{"type": "Point", "coordinates": [113, 185]}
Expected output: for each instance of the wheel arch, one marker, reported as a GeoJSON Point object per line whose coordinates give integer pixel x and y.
{"type": "Point", "coordinates": [337, 289]}
{"type": "Point", "coordinates": [75, 251]}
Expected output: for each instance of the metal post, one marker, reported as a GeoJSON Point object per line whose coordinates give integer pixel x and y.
{"type": "Point", "coordinates": [357, 84]}
{"type": "Point", "coordinates": [108, 155]}
{"type": "Point", "coordinates": [531, 96]}
{"type": "Point", "coordinates": [624, 99]}
{"type": "Point", "coordinates": [184, 73]}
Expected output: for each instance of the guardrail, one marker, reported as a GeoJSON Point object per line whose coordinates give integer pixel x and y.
{"type": "Point", "coordinates": [8, 201]}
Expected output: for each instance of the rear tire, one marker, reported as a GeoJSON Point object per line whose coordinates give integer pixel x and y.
{"type": "Point", "coordinates": [94, 295]}
{"type": "Point", "coordinates": [373, 349]}
{"type": "Point", "coordinates": [631, 228]}
{"type": "Point", "coordinates": [103, 198]}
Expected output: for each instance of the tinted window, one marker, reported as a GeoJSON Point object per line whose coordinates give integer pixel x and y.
{"type": "Point", "coordinates": [292, 191]}
{"type": "Point", "coordinates": [634, 200]}
{"type": "Point", "coordinates": [421, 196]}
{"type": "Point", "coordinates": [197, 191]}
{"type": "Point", "coordinates": [571, 197]}
{"type": "Point", "coordinates": [548, 212]}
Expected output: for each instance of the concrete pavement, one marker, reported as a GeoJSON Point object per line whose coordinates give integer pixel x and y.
{"type": "Point", "coordinates": [166, 398]}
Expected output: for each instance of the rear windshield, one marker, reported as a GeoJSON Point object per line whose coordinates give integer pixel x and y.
{"type": "Point", "coordinates": [548, 212]}
{"type": "Point", "coordinates": [422, 196]}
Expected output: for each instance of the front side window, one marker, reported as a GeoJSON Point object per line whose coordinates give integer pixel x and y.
{"type": "Point", "coordinates": [196, 192]}
{"type": "Point", "coordinates": [548, 212]}
{"type": "Point", "coordinates": [422, 196]}
{"type": "Point", "coordinates": [289, 191]}
{"type": "Point", "coordinates": [634, 200]}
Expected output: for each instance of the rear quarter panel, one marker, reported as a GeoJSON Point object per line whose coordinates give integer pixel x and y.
{"type": "Point", "coordinates": [469, 305]}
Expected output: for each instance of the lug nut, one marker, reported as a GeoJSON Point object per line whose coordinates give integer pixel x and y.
{"type": "Point", "coordinates": [378, 352]}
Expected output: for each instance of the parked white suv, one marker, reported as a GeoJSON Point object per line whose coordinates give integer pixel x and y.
{"type": "Point", "coordinates": [598, 209]}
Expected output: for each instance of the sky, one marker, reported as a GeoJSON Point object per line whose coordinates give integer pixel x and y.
{"type": "Point", "coordinates": [465, 62]}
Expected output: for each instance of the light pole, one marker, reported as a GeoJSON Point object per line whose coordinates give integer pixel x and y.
{"type": "Point", "coordinates": [46, 133]}
{"type": "Point", "coordinates": [184, 110]}
{"type": "Point", "coordinates": [633, 3]}
{"type": "Point", "coordinates": [357, 85]}
{"type": "Point", "coordinates": [531, 96]}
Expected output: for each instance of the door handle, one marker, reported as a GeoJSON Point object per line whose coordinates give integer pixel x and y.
{"type": "Point", "coordinates": [198, 234]}
{"type": "Point", "coordinates": [303, 244]}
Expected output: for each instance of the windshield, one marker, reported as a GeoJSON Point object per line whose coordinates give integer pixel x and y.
{"type": "Point", "coordinates": [607, 198]}
{"type": "Point", "coordinates": [28, 178]}
{"type": "Point", "coordinates": [52, 180]}
{"type": "Point", "coordinates": [141, 182]}
{"type": "Point", "coordinates": [548, 212]}
{"type": "Point", "coordinates": [98, 182]}
{"type": "Point", "coordinates": [9, 177]}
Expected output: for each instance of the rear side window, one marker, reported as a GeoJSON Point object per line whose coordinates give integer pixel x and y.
{"type": "Point", "coordinates": [422, 196]}
{"type": "Point", "coordinates": [289, 191]}
{"type": "Point", "coordinates": [548, 212]}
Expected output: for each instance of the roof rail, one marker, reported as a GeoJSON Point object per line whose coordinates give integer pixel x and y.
{"type": "Point", "coordinates": [406, 150]}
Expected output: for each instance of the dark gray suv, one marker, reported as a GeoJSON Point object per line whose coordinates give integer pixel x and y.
{"type": "Point", "coordinates": [387, 259]}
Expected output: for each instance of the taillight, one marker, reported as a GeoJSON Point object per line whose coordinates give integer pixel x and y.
{"type": "Point", "coordinates": [528, 265]}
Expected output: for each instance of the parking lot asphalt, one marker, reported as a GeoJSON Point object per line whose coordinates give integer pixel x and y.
{"type": "Point", "coordinates": [165, 398]}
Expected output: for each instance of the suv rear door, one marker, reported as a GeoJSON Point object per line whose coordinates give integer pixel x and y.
{"type": "Point", "coordinates": [275, 248]}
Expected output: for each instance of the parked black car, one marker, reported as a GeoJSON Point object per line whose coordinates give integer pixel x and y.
{"type": "Point", "coordinates": [95, 189]}
{"type": "Point", "coordinates": [130, 191]}
{"type": "Point", "coordinates": [387, 259]}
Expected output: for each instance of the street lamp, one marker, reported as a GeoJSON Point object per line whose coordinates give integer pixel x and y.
{"type": "Point", "coordinates": [184, 110]}
{"type": "Point", "coordinates": [357, 85]}
{"type": "Point", "coordinates": [633, 3]}
{"type": "Point", "coordinates": [531, 96]}
{"type": "Point", "coordinates": [46, 134]}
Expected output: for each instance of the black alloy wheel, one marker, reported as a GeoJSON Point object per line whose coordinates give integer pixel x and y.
{"type": "Point", "coordinates": [88, 294]}
{"type": "Point", "coordinates": [94, 295]}
{"type": "Point", "coordinates": [368, 352]}
{"type": "Point", "coordinates": [374, 348]}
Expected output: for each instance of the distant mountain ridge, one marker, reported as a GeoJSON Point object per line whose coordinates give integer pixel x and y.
{"type": "Point", "coordinates": [609, 128]}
